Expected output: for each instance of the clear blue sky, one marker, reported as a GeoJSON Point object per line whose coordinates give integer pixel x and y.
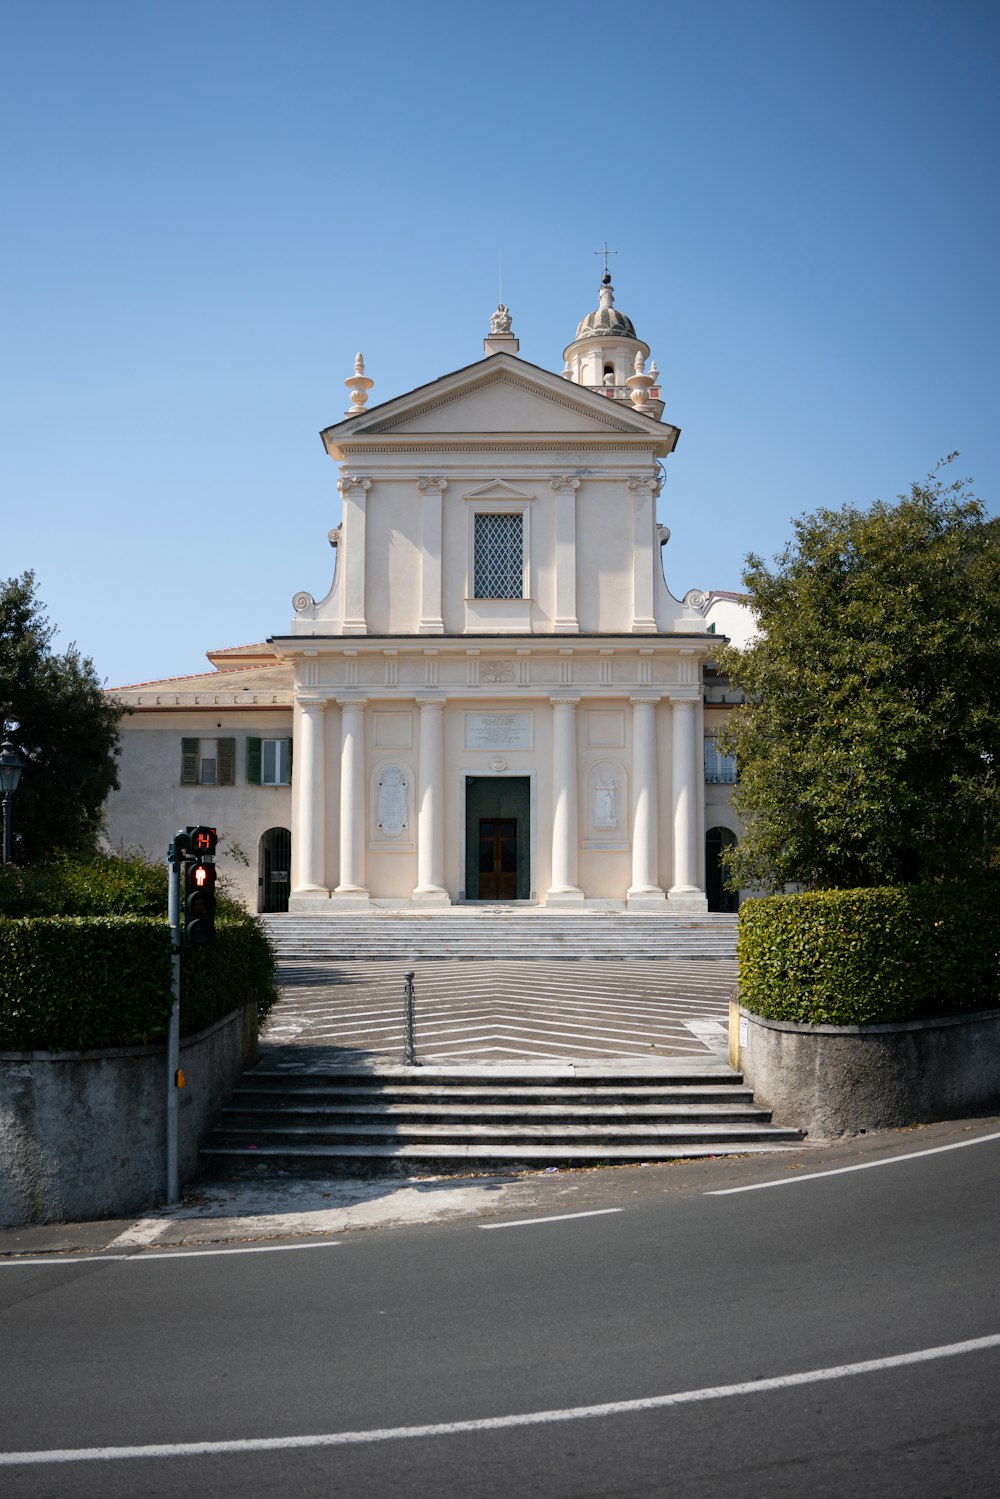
{"type": "Point", "coordinates": [209, 207]}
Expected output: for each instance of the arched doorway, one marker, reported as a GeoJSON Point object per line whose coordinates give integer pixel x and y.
{"type": "Point", "coordinates": [718, 842]}
{"type": "Point", "coordinates": [274, 878]}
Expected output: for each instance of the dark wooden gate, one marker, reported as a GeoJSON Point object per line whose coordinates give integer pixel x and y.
{"type": "Point", "coordinates": [275, 877]}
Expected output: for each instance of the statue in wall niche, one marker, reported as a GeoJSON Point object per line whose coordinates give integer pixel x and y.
{"type": "Point", "coordinates": [605, 815]}
{"type": "Point", "coordinates": [391, 802]}
{"type": "Point", "coordinates": [501, 320]}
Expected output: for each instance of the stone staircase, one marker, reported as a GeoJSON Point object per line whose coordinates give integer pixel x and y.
{"type": "Point", "coordinates": [501, 932]}
{"type": "Point", "coordinates": [396, 1120]}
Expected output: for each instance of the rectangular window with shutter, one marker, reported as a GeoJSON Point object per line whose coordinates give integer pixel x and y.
{"type": "Point", "coordinates": [253, 761]}
{"type": "Point", "coordinates": [226, 762]}
{"type": "Point", "coordinates": [189, 762]}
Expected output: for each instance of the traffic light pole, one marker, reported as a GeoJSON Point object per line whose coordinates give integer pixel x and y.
{"type": "Point", "coordinates": [174, 1031]}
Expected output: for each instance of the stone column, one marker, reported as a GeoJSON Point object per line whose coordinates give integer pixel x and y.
{"type": "Point", "coordinates": [431, 620]}
{"type": "Point", "coordinates": [688, 786]}
{"type": "Point", "coordinates": [429, 889]}
{"type": "Point", "coordinates": [644, 892]}
{"type": "Point", "coordinates": [565, 488]}
{"type": "Point", "coordinates": [352, 544]}
{"type": "Point", "coordinates": [309, 840]}
{"type": "Point", "coordinates": [352, 803]}
{"type": "Point", "coordinates": [564, 890]}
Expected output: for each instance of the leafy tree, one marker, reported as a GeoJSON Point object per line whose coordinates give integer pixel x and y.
{"type": "Point", "coordinates": [868, 750]}
{"type": "Point", "coordinates": [61, 724]}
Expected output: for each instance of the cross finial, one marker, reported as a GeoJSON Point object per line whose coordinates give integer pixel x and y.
{"type": "Point", "coordinates": [605, 252]}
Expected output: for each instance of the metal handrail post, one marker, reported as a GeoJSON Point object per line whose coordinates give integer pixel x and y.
{"type": "Point", "coordinates": [409, 1047]}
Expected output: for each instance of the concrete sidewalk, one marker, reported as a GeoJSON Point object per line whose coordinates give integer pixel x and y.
{"type": "Point", "coordinates": [262, 1210]}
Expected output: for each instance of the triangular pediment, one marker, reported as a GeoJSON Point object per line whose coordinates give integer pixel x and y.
{"type": "Point", "coordinates": [500, 394]}
{"type": "Point", "coordinates": [498, 490]}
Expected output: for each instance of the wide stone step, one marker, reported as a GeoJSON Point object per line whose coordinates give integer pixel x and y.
{"type": "Point", "coordinates": [294, 1093]}
{"type": "Point", "coordinates": [315, 1115]}
{"type": "Point", "coordinates": [609, 1133]}
{"type": "Point", "coordinates": [442, 1159]}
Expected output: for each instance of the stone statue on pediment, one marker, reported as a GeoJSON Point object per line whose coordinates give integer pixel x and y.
{"type": "Point", "coordinates": [501, 320]}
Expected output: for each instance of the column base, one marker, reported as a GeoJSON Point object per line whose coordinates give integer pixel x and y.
{"type": "Point", "coordinates": [646, 898]}
{"type": "Point", "coordinates": [687, 898]}
{"type": "Point", "coordinates": [564, 895]}
{"type": "Point", "coordinates": [430, 895]}
{"type": "Point", "coordinates": [349, 898]}
{"type": "Point", "coordinates": [309, 898]}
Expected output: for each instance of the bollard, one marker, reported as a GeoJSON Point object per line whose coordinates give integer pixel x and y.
{"type": "Point", "coordinates": [409, 1050]}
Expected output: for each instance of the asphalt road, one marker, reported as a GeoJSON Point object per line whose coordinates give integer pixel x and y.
{"type": "Point", "coordinates": [639, 1296]}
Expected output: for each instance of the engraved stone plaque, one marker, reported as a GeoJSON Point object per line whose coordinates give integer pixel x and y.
{"type": "Point", "coordinates": [493, 731]}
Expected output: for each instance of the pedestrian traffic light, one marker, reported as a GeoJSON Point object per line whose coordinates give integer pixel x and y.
{"type": "Point", "coordinates": [199, 902]}
{"type": "Point", "coordinates": [203, 841]}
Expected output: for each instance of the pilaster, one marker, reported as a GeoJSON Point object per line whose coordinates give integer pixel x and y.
{"type": "Point", "coordinates": [564, 488]}
{"type": "Point", "coordinates": [352, 544]}
{"type": "Point", "coordinates": [643, 493]}
{"type": "Point", "coordinates": [431, 620]}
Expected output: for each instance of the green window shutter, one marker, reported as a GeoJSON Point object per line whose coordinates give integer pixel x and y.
{"type": "Point", "coordinates": [288, 762]}
{"type": "Point", "coordinates": [253, 761]}
{"type": "Point", "coordinates": [189, 762]}
{"type": "Point", "coordinates": [226, 762]}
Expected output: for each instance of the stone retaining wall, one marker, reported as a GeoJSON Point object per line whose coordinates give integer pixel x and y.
{"type": "Point", "coordinates": [832, 1080]}
{"type": "Point", "coordinates": [83, 1135]}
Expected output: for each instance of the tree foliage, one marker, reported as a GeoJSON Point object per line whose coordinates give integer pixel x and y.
{"type": "Point", "coordinates": [62, 725]}
{"type": "Point", "coordinates": [867, 750]}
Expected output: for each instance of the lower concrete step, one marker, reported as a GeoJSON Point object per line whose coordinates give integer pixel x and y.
{"type": "Point", "coordinates": [394, 1120]}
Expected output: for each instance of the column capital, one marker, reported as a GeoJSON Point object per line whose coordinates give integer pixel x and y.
{"type": "Point", "coordinates": [354, 484]}
{"type": "Point", "coordinates": [564, 702]}
{"type": "Point", "coordinates": [683, 702]}
{"type": "Point", "coordinates": [649, 701]}
{"type": "Point", "coordinates": [423, 702]}
{"type": "Point", "coordinates": [640, 485]}
{"type": "Point", "coordinates": [564, 483]}
{"type": "Point", "coordinates": [351, 702]}
{"type": "Point", "coordinates": [428, 484]}
{"type": "Point", "coordinates": [311, 702]}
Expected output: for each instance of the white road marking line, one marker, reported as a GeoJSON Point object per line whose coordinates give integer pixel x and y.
{"type": "Point", "coordinates": [556, 1218]}
{"type": "Point", "coordinates": [499, 1423]}
{"type": "Point", "coordinates": [895, 1160]}
{"type": "Point", "coordinates": [97, 1258]}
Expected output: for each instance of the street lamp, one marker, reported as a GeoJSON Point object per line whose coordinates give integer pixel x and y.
{"type": "Point", "coordinates": [10, 774]}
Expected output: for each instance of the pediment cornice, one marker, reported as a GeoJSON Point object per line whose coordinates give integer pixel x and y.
{"type": "Point", "coordinates": [385, 423]}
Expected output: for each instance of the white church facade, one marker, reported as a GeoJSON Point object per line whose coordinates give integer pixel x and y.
{"type": "Point", "coordinates": [498, 699]}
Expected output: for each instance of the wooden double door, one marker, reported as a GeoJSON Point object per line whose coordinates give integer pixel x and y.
{"type": "Point", "coordinates": [497, 854]}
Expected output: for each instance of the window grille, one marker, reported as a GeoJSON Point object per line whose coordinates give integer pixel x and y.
{"type": "Point", "coordinates": [720, 770]}
{"type": "Point", "coordinates": [499, 557]}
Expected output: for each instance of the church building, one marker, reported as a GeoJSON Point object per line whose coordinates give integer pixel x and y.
{"type": "Point", "coordinates": [498, 699]}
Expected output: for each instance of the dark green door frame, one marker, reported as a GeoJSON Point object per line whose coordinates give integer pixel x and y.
{"type": "Point", "coordinates": [490, 801]}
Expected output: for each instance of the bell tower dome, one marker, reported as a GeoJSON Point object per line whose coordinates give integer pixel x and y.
{"type": "Point", "coordinates": [608, 356]}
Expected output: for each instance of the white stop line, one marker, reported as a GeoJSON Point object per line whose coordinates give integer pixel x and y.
{"type": "Point", "coordinates": [499, 1423]}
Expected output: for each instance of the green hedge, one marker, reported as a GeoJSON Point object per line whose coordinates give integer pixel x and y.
{"type": "Point", "coordinates": [76, 885]}
{"type": "Point", "coordinates": [72, 983]}
{"type": "Point", "coordinates": [864, 957]}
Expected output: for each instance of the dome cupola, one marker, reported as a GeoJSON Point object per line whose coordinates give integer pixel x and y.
{"type": "Point", "coordinates": [608, 356]}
